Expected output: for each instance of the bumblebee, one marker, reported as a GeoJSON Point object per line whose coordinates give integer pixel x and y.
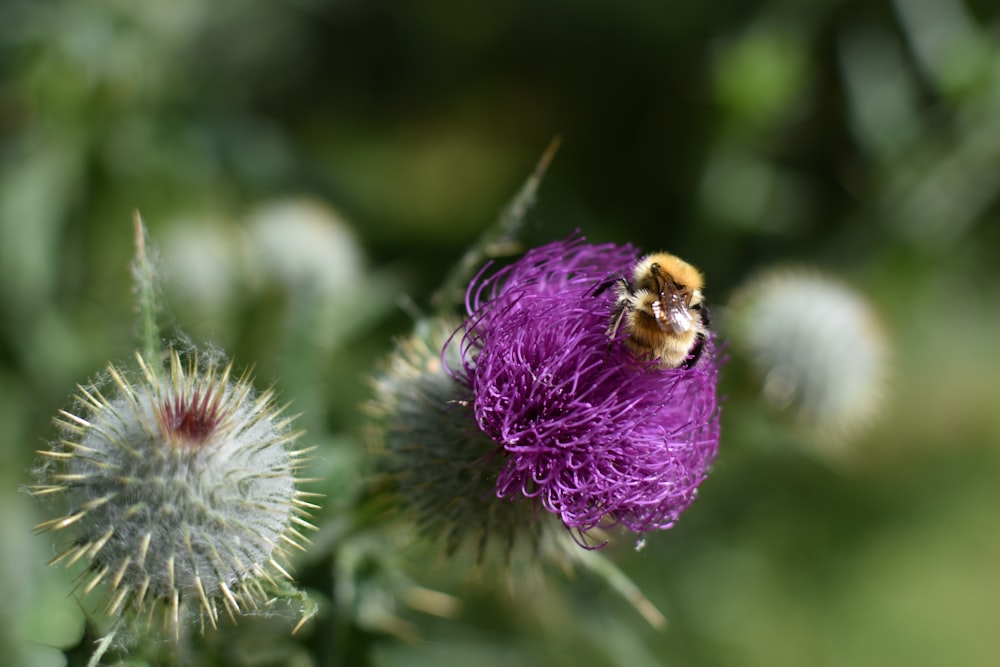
{"type": "Point", "coordinates": [662, 311]}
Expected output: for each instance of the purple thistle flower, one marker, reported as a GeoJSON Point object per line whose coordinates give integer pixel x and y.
{"type": "Point", "coordinates": [595, 436]}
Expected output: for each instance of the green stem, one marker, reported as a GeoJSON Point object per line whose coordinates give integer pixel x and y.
{"type": "Point", "coordinates": [145, 291]}
{"type": "Point", "coordinates": [604, 568]}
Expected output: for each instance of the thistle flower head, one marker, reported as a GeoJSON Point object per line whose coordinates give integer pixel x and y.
{"type": "Point", "coordinates": [580, 426]}
{"type": "Point", "coordinates": [180, 487]}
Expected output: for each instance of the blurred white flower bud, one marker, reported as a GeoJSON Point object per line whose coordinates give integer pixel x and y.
{"type": "Point", "coordinates": [818, 347]}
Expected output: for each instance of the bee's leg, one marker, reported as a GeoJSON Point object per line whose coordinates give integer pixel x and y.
{"type": "Point", "coordinates": [696, 352]}
{"type": "Point", "coordinates": [604, 285]}
{"type": "Point", "coordinates": [705, 313]}
{"type": "Point", "coordinates": [616, 319]}
{"type": "Point", "coordinates": [699, 347]}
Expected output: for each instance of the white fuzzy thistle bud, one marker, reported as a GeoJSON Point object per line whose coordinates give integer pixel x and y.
{"type": "Point", "coordinates": [180, 487]}
{"type": "Point", "coordinates": [818, 346]}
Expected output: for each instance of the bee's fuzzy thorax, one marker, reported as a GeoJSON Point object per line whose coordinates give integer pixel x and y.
{"type": "Point", "coordinates": [684, 274]}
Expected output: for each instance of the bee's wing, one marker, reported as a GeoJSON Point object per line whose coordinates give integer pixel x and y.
{"type": "Point", "coordinates": [680, 318]}
{"type": "Point", "coordinates": [671, 309]}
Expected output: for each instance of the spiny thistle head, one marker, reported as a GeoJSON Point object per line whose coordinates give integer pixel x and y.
{"type": "Point", "coordinates": [818, 347]}
{"type": "Point", "coordinates": [443, 469]}
{"type": "Point", "coordinates": [181, 488]}
{"type": "Point", "coordinates": [535, 409]}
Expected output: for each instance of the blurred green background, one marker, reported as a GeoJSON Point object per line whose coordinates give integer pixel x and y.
{"type": "Point", "coordinates": [310, 169]}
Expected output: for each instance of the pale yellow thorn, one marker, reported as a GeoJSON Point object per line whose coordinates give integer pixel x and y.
{"type": "Point", "coordinates": [149, 615]}
{"type": "Point", "coordinates": [54, 455]}
{"type": "Point", "coordinates": [47, 489]}
{"type": "Point", "coordinates": [120, 574]}
{"type": "Point", "coordinates": [82, 548]}
{"type": "Point", "coordinates": [302, 503]}
{"type": "Point", "coordinates": [170, 573]}
{"type": "Point", "coordinates": [80, 421]}
{"type": "Point", "coordinates": [116, 601]}
{"type": "Point", "coordinates": [80, 552]}
{"type": "Point", "coordinates": [144, 548]}
{"type": "Point", "coordinates": [280, 569]}
{"type": "Point", "coordinates": [299, 535]}
{"type": "Point", "coordinates": [100, 542]}
{"type": "Point", "coordinates": [264, 575]}
{"type": "Point", "coordinates": [302, 452]}
{"type": "Point", "coordinates": [60, 523]}
{"type": "Point", "coordinates": [232, 606]}
{"type": "Point", "coordinates": [175, 607]}
{"type": "Point", "coordinates": [76, 445]}
{"type": "Point", "coordinates": [95, 580]}
{"type": "Point", "coordinates": [249, 596]}
{"type": "Point", "coordinates": [140, 596]}
{"type": "Point", "coordinates": [260, 588]}
{"type": "Point", "coordinates": [298, 626]}
{"type": "Point", "coordinates": [69, 477]}
{"type": "Point", "coordinates": [303, 523]}
{"type": "Point", "coordinates": [96, 502]}
{"type": "Point", "coordinates": [286, 538]}
{"type": "Point", "coordinates": [209, 608]}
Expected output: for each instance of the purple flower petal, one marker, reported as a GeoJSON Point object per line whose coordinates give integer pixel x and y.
{"type": "Point", "coordinates": [590, 433]}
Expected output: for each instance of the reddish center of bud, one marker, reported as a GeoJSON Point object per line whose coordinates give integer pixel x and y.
{"type": "Point", "coordinates": [191, 420]}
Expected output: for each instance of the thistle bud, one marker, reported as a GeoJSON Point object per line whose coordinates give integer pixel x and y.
{"type": "Point", "coordinates": [818, 347]}
{"type": "Point", "coordinates": [179, 487]}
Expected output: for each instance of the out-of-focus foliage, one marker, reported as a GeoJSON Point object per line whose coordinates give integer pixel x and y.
{"type": "Point", "coordinates": [309, 166]}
